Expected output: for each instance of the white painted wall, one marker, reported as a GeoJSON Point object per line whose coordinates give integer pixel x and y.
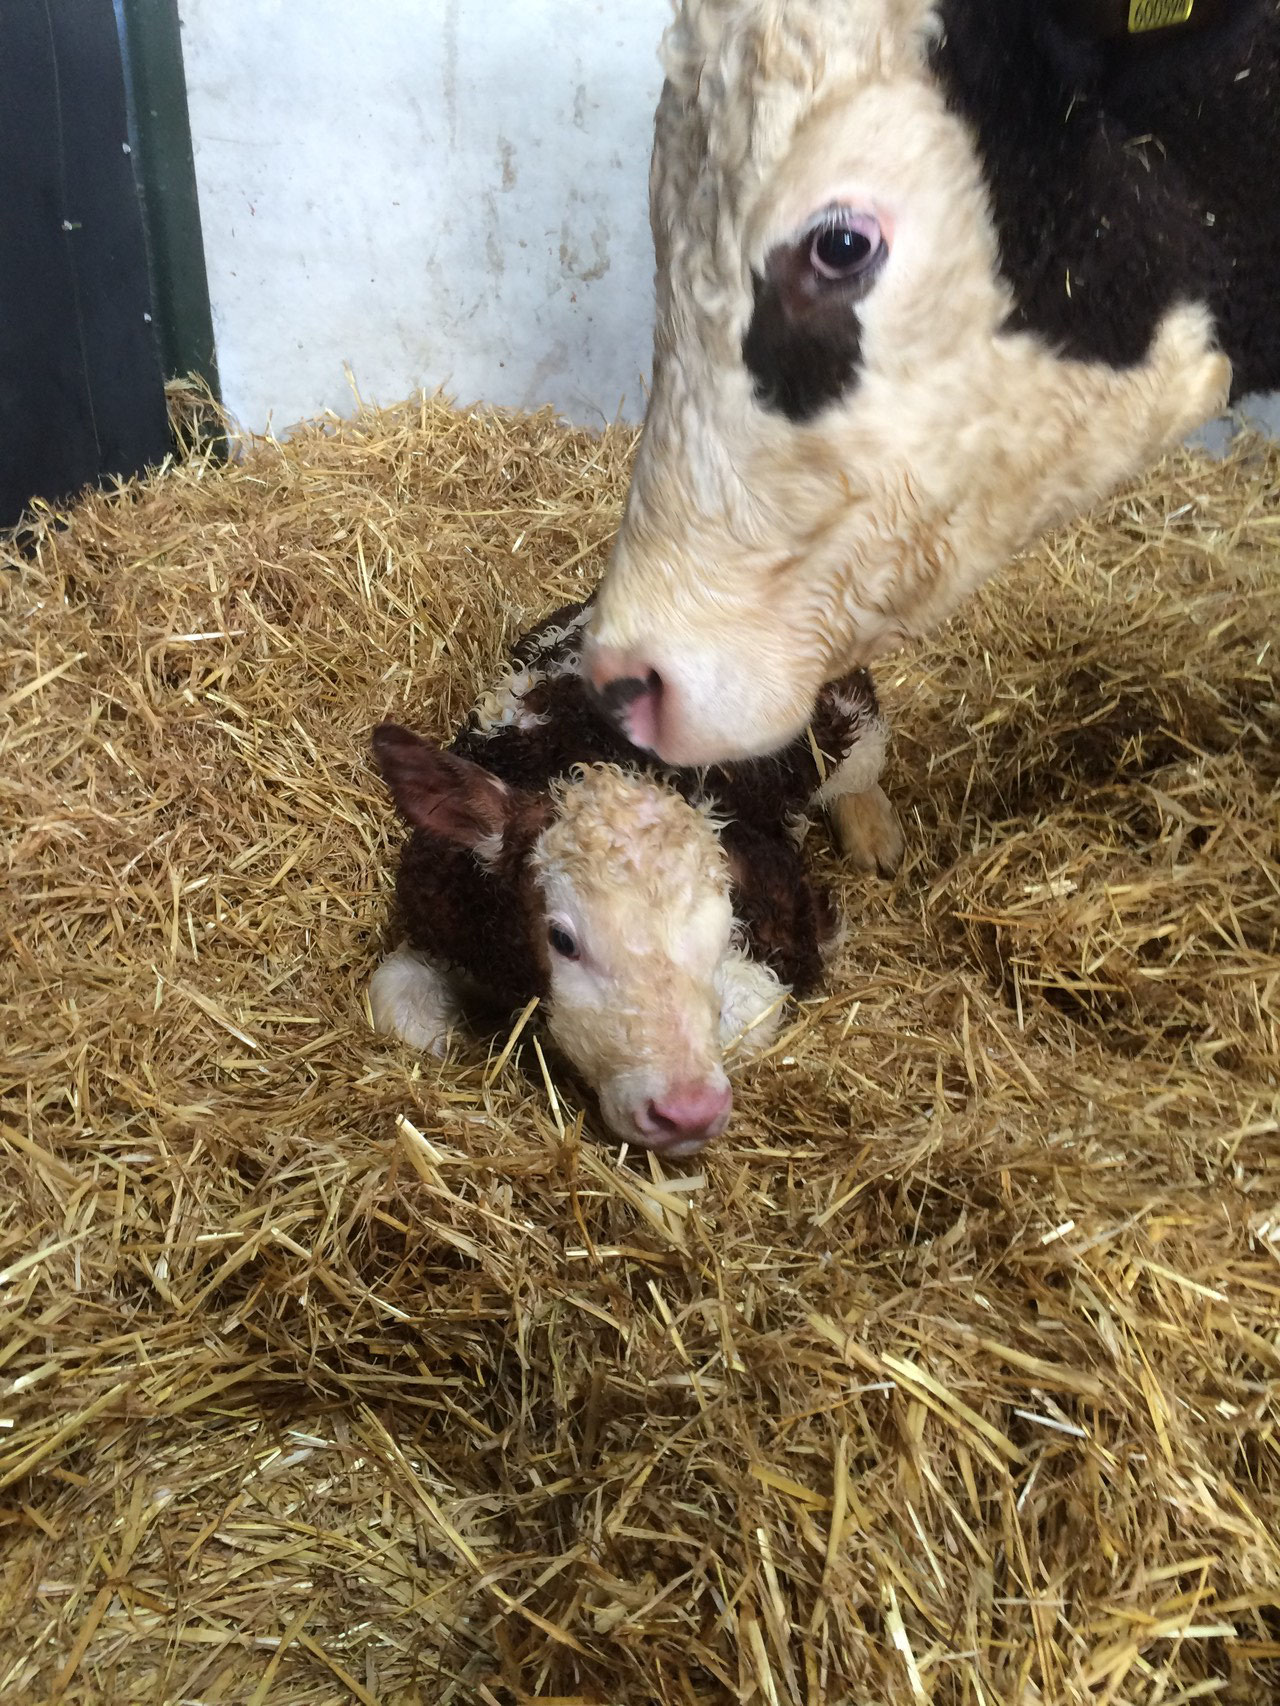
{"type": "Point", "coordinates": [434, 192]}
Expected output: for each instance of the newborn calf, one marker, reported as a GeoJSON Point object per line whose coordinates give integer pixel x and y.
{"type": "Point", "coordinates": [659, 917]}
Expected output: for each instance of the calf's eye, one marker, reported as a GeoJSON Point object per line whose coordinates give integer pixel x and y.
{"type": "Point", "coordinates": [562, 942]}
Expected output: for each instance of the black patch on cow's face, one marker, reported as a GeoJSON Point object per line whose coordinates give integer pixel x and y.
{"type": "Point", "coordinates": [1126, 173]}
{"type": "Point", "coordinates": [799, 368]}
{"type": "Point", "coordinates": [803, 346]}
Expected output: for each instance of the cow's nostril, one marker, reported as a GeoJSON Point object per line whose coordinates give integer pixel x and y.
{"type": "Point", "coordinates": [619, 692]}
{"type": "Point", "coordinates": [632, 703]}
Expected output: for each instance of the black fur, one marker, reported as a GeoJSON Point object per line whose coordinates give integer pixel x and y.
{"type": "Point", "coordinates": [1128, 174]}
{"type": "Point", "coordinates": [786, 917]}
{"type": "Point", "coordinates": [485, 923]}
{"type": "Point", "coordinates": [801, 360]}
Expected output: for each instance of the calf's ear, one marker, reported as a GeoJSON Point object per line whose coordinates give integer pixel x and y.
{"type": "Point", "coordinates": [441, 793]}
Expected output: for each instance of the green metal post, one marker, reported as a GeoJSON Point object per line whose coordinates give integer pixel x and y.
{"type": "Point", "coordinates": [165, 168]}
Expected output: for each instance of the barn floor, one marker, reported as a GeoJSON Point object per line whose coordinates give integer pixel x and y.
{"type": "Point", "coordinates": [952, 1375]}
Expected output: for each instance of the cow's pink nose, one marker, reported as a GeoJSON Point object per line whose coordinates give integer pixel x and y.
{"type": "Point", "coordinates": [686, 1117]}
{"type": "Point", "coordinates": [628, 691]}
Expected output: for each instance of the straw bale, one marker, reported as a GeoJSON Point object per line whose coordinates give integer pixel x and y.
{"type": "Point", "coordinates": [952, 1374]}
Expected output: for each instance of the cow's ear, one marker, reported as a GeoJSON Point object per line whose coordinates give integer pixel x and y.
{"type": "Point", "coordinates": [443, 794]}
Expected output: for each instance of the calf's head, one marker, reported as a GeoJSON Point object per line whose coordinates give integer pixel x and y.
{"type": "Point", "coordinates": [623, 903]}
{"type": "Point", "coordinates": [846, 433]}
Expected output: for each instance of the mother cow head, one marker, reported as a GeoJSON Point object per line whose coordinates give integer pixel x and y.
{"type": "Point", "coordinates": [931, 277]}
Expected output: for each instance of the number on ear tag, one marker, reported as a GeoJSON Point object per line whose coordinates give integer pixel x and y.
{"type": "Point", "coordinates": [1157, 14]}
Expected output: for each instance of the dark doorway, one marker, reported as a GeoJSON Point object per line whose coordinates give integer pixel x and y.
{"type": "Point", "coordinates": [82, 359]}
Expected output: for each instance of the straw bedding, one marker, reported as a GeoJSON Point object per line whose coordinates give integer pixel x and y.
{"type": "Point", "coordinates": [326, 1373]}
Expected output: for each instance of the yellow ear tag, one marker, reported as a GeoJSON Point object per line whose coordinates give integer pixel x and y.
{"type": "Point", "coordinates": [1157, 14]}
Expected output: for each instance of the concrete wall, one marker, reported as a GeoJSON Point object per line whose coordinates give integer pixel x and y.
{"type": "Point", "coordinates": [432, 192]}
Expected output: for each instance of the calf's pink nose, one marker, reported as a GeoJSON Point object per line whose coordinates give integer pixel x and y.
{"type": "Point", "coordinates": [687, 1114]}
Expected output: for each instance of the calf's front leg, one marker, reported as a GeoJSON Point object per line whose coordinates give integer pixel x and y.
{"type": "Point", "coordinates": [866, 826]}
{"type": "Point", "coordinates": [414, 1000]}
{"type": "Point", "coordinates": [752, 999]}
{"type": "Point", "coordinates": [867, 830]}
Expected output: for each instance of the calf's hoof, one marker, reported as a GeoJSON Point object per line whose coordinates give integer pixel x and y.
{"type": "Point", "coordinates": [868, 832]}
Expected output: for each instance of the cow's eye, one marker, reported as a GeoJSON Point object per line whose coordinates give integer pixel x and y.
{"type": "Point", "coordinates": [562, 942]}
{"type": "Point", "coordinates": [845, 246]}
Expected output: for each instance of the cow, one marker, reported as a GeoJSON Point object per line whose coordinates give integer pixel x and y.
{"type": "Point", "coordinates": [932, 277]}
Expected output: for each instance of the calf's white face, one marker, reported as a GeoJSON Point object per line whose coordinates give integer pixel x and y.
{"type": "Point", "coordinates": [636, 892]}
{"type": "Point", "coordinates": [623, 896]}
{"type": "Point", "coordinates": [844, 437]}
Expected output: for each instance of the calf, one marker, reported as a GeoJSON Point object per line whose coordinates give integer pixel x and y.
{"type": "Point", "coordinates": [932, 276]}
{"type": "Point", "coordinates": [658, 917]}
